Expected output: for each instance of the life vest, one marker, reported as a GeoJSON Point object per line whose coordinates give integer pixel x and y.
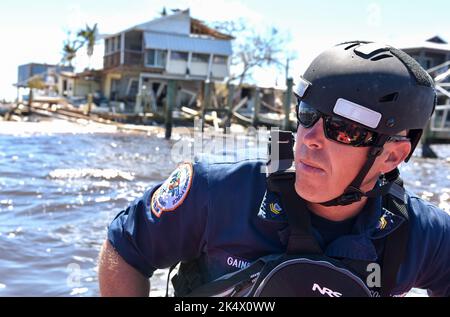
{"type": "Point", "coordinates": [303, 270]}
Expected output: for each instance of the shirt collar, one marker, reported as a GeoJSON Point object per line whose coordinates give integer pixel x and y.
{"type": "Point", "coordinates": [373, 222]}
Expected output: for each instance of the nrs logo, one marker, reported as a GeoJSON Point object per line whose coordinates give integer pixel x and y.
{"type": "Point", "coordinates": [325, 291]}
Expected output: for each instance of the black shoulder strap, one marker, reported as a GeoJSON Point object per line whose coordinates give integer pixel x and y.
{"type": "Point", "coordinates": [282, 182]}
{"type": "Point", "coordinates": [229, 284]}
{"type": "Point", "coordinates": [396, 243]}
{"type": "Point", "coordinates": [301, 239]}
{"type": "Point", "coordinates": [188, 277]}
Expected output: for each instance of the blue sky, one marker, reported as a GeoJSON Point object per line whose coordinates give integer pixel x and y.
{"type": "Point", "coordinates": [33, 31]}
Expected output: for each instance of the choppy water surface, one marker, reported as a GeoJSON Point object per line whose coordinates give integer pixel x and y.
{"type": "Point", "coordinates": [60, 190]}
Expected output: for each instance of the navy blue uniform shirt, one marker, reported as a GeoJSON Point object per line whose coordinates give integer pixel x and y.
{"type": "Point", "coordinates": [222, 214]}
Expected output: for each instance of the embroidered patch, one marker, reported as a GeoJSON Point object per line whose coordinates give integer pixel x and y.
{"type": "Point", "coordinates": [271, 208]}
{"type": "Point", "coordinates": [382, 223]}
{"type": "Point", "coordinates": [173, 191]}
{"type": "Point", "coordinates": [275, 208]}
{"type": "Point", "coordinates": [386, 221]}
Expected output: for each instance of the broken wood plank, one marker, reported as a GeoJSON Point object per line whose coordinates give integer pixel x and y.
{"type": "Point", "coordinates": [270, 107]}
{"type": "Point", "coordinates": [240, 104]}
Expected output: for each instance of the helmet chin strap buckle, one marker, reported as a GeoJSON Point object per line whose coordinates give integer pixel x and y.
{"type": "Point", "coordinates": [350, 196]}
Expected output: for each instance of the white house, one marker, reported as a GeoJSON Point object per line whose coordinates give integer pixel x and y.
{"type": "Point", "coordinates": [138, 61]}
{"type": "Point", "coordinates": [434, 56]}
{"type": "Point", "coordinates": [429, 53]}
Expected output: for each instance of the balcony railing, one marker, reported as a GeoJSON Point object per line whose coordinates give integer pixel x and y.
{"type": "Point", "coordinates": [111, 60]}
{"type": "Point", "coordinates": [134, 57]}
{"type": "Point", "coordinates": [440, 122]}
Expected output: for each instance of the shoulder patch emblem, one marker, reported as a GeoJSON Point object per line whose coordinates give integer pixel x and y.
{"type": "Point", "coordinates": [275, 208]}
{"type": "Point", "coordinates": [382, 223]}
{"type": "Point", "coordinates": [173, 191]}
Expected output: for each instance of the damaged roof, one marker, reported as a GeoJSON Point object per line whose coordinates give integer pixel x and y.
{"type": "Point", "coordinates": [183, 22]}
{"type": "Point", "coordinates": [199, 27]}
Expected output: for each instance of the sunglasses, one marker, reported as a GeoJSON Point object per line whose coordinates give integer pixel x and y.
{"type": "Point", "coordinates": [338, 129]}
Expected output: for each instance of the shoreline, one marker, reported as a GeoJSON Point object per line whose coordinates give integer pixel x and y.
{"type": "Point", "coordinates": [46, 125]}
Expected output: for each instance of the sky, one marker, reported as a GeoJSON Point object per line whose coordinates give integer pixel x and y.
{"type": "Point", "coordinates": [34, 31]}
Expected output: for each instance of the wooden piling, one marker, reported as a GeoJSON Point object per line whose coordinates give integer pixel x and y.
{"type": "Point", "coordinates": [287, 104]}
{"type": "Point", "coordinates": [229, 107]}
{"type": "Point", "coordinates": [90, 98]}
{"type": "Point", "coordinates": [207, 95]}
{"type": "Point", "coordinates": [30, 100]}
{"type": "Point", "coordinates": [206, 104]}
{"type": "Point", "coordinates": [170, 102]}
{"type": "Point", "coordinates": [427, 151]}
{"type": "Point", "coordinates": [257, 106]}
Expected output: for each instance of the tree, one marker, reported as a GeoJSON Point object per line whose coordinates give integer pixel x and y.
{"type": "Point", "coordinates": [70, 49]}
{"type": "Point", "coordinates": [252, 49]}
{"type": "Point", "coordinates": [88, 37]}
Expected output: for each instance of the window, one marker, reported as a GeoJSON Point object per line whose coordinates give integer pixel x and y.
{"type": "Point", "coordinates": [64, 89]}
{"type": "Point", "coordinates": [220, 59]}
{"type": "Point", "coordinates": [135, 47]}
{"type": "Point", "coordinates": [118, 42]}
{"type": "Point", "coordinates": [200, 58]}
{"type": "Point", "coordinates": [427, 62]}
{"type": "Point", "coordinates": [179, 56]}
{"type": "Point", "coordinates": [155, 58]}
{"type": "Point", "coordinates": [112, 42]}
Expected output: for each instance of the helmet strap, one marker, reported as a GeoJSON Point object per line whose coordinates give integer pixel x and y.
{"type": "Point", "coordinates": [352, 193]}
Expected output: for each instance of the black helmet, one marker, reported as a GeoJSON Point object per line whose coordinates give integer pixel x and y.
{"type": "Point", "coordinates": [372, 84]}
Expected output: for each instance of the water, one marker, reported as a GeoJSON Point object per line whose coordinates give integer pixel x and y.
{"type": "Point", "coordinates": [61, 184]}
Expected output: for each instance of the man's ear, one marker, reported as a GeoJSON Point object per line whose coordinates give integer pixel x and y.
{"type": "Point", "coordinates": [396, 152]}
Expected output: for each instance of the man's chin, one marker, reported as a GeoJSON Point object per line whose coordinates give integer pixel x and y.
{"type": "Point", "coordinates": [309, 194]}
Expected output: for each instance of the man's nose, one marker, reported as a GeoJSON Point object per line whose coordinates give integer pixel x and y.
{"type": "Point", "coordinates": [312, 137]}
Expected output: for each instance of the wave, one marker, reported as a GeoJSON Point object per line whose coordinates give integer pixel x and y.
{"type": "Point", "coordinates": [110, 174]}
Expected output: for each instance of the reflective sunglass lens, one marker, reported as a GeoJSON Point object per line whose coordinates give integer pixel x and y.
{"type": "Point", "coordinates": [335, 128]}
{"type": "Point", "coordinates": [347, 133]}
{"type": "Point", "coordinates": [307, 116]}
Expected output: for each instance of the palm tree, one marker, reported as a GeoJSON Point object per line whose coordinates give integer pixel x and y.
{"type": "Point", "coordinates": [69, 52]}
{"type": "Point", "coordinates": [88, 36]}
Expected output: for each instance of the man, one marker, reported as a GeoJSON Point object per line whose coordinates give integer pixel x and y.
{"type": "Point", "coordinates": [362, 108]}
